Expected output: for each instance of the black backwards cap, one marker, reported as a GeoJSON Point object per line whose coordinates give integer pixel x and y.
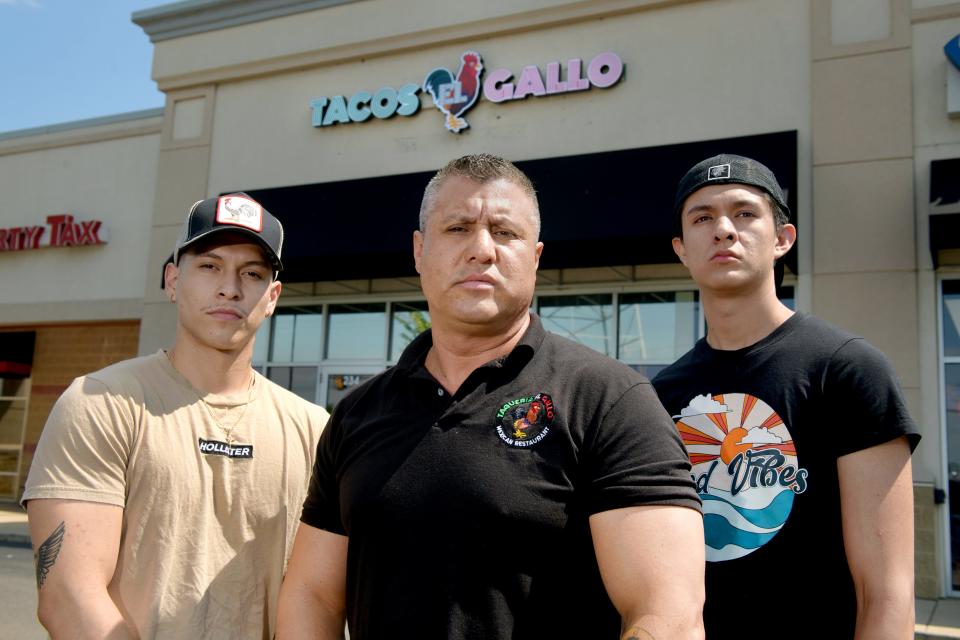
{"type": "Point", "coordinates": [729, 169]}
{"type": "Point", "coordinates": [236, 213]}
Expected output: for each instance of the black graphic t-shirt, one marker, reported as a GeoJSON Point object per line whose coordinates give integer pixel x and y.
{"type": "Point", "coordinates": [468, 515]}
{"type": "Point", "coordinates": [763, 427]}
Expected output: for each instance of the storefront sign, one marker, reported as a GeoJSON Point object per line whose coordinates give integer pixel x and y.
{"type": "Point", "coordinates": [61, 231]}
{"type": "Point", "coordinates": [454, 94]}
{"type": "Point", "coordinates": [952, 50]}
{"type": "Point", "coordinates": [604, 70]}
{"type": "Point", "coordinates": [383, 104]}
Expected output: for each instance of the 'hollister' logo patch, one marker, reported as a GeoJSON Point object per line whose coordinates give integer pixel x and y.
{"type": "Point", "coordinates": [526, 421]}
{"type": "Point", "coordinates": [217, 448]}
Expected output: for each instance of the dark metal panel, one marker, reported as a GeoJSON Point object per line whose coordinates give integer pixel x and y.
{"type": "Point", "coordinates": [598, 209]}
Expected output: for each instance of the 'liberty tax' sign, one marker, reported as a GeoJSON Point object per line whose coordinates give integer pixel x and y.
{"type": "Point", "coordinates": [61, 231]}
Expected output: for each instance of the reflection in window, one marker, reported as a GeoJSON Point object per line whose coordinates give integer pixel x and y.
{"type": "Point", "coordinates": [657, 327]}
{"type": "Point", "coordinates": [952, 400]}
{"type": "Point", "coordinates": [340, 384]}
{"type": "Point", "coordinates": [587, 319]}
{"type": "Point", "coordinates": [261, 345]}
{"type": "Point", "coordinates": [281, 347]}
{"type": "Point", "coordinates": [410, 319]}
{"type": "Point", "coordinates": [951, 318]}
{"type": "Point", "coordinates": [297, 335]}
{"type": "Point", "coordinates": [14, 387]}
{"type": "Point", "coordinates": [357, 331]}
{"type": "Point", "coordinates": [786, 296]}
{"type": "Point", "coordinates": [300, 380]}
{"type": "Point", "coordinates": [13, 414]}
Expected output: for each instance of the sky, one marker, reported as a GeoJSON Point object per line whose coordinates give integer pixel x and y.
{"type": "Point", "coordinates": [65, 60]}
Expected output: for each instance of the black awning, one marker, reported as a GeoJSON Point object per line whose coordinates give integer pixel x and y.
{"type": "Point", "coordinates": [598, 209]}
{"type": "Point", "coordinates": [16, 353]}
{"type": "Point", "coordinates": [944, 210]}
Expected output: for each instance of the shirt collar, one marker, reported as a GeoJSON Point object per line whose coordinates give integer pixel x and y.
{"type": "Point", "coordinates": [414, 355]}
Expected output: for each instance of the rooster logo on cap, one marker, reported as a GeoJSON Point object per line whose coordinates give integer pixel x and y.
{"type": "Point", "coordinates": [453, 96]}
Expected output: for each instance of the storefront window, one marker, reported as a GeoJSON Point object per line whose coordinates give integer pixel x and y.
{"type": "Point", "coordinates": [281, 347]}
{"type": "Point", "coordinates": [410, 319]}
{"type": "Point", "coordinates": [787, 297]}
{"type": "Point", "coordinates": [261, 345]}
{"type": "Point", "coordinates": [950, 323]}
{"type": "Point", "coordinates": [646, 330]}
{"type": "Point", "coordinates": [297, 335]}
{"type": "Point", "coordinates": [357, 331]}
{"type": "Point", "coordinates": [14, 394]}
{"type": "Point", "coordinates": [587, 319]}
{"type": "Point", "coordinates": [951, 318]}
{"type": "Point", "coordinates": [301, 380]}
{"type": "Point", "coordinates": [340, 384]}
{"type": "Point", "coordinates": [657, 327]}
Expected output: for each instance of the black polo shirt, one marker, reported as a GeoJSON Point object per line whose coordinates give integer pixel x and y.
{"type": "Point", "coordinates": [468, 514]}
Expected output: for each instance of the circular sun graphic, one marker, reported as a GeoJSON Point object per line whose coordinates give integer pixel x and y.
{"type": "Point", "coordinates": [746, 469]}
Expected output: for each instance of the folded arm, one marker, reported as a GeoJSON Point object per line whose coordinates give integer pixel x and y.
{"type": "Point", "coordinates": [75, 547]}
{"type": "Point", "coordinates": [652, 562]}
{"type": "Point", "coordinates": [876, 503]}
{"type": "Point", "coordinates": [313, 595]}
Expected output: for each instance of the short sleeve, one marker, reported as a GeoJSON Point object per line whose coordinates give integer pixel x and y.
{"type": "Point", "coordinates": [865, 400]}
{"type": "Point", "coordinates": [321, 509]}
{"type": "Point", "coordinates": [636, 458]}
{"type": "Point", "coordinates": [84, 448]}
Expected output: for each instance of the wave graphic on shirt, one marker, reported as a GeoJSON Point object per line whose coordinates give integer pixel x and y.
{"type": "Point", "coordinates": [744, 463]}
{"type": "Point", "coordinates": [733, 530]}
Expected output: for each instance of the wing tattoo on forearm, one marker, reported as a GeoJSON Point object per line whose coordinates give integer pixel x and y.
{"type": "Point", "coordinates": [47, 553]}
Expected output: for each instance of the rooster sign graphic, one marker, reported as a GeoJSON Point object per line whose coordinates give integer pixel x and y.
{"type": "Point", "coordinates": [454, 95]}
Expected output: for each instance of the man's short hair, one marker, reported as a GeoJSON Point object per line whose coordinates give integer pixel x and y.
{"type": "Point", "coordinates": [780, 217]}
{"type": "Point", "coordinates": [481, 168]}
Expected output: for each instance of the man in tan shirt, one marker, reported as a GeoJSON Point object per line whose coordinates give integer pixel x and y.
{"type": "Point", "coordinates": [166, 489]}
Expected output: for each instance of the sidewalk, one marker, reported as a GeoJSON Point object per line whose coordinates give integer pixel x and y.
{"type": "Point", "coordinates": [936, 619]}
{"type": "Point", "coordinates": [13, 526]}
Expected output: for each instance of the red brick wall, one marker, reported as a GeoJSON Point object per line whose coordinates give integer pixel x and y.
{"type": "Point", "coordinates": [62, 353]}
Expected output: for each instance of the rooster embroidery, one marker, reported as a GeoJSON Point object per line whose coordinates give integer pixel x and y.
{"type": "Point", "coordinates": [453, 96]}
{"type": "Point", "coordinates": [522, 423]}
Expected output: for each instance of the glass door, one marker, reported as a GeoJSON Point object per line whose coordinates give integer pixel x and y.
{"type": "Point", "coordinates": [950, 397]}
{"type": "Point", "coordinates": [338, 381]}
{"type": "Point", "coordinates": [14, 395]}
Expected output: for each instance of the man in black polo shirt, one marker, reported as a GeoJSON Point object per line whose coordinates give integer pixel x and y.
{"type": "Point", "coordinates": [499, 481]}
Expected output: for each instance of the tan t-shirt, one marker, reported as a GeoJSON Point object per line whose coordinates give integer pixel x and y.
{"type": "Point", "coordinates": [210, 509]}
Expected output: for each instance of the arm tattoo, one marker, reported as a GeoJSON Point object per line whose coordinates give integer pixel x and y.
{"type": "Point", "coordinates": [638, 633]}
{"type": "Point", "coordinates": [47, 554]}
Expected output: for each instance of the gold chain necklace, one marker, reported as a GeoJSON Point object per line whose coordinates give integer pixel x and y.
{"type": "Point", "coordinates": [228, 431]}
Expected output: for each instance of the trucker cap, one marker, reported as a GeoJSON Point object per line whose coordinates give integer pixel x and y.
{"type": "Point", "coordinates": [729, 169]}
{"type": "Point", "coordinates": [237, 213]}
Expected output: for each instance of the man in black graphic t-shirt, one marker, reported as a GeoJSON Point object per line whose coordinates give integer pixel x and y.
{"type": "Point", "coordinates": [499, 481]}
{"type": "Point", "coordinates": [797, 432]}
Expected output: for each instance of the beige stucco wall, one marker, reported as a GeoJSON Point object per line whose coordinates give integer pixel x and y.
{"type": "Point", "coordinates": [105, 173]}
{"type": "Point", "coordinates": [257, 85]}
{"type": "Point", "coordinates": [696, 95]}
{"type": "Point", "coordinates": [936, 136]}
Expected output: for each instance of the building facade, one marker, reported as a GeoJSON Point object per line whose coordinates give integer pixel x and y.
{"type": "Point", "coordinates": [334, 113]}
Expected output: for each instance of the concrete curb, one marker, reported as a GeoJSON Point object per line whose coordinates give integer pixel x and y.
{"type": "Point", "coordinates": [15, 540]}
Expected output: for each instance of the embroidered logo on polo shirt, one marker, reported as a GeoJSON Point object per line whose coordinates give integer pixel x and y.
{"type": "Point", "coordinates": [218, 448]}
{"type": "Point", "coordinates": [524, 422]}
